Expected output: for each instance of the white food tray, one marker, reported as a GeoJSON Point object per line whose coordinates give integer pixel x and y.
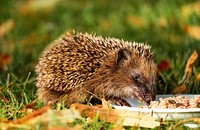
{"type": "Point", "coordinates": [165, 114]}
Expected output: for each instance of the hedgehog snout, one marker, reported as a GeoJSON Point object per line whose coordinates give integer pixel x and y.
{"type": "Point", "coordinates": [147, 93]}
{"type": "Point", "coordinates": [149, 96]}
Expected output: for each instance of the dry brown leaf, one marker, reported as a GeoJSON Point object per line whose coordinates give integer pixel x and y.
{"type": "Point", "coordinates": [193, 31]}
{"type": "Point", "coordinates": [188, 68]}
{"type": "Point", "coordinates": [162, 22]}
{"type": "Point", "coordinates": [4, 120]}
{"type": "Point", "coordinates": [191, 61]}
{"type": "Point", "coordinates": [188, 9]}
{"type": "Point", "coordinates": [117, 127]}
{"type": "Point", "coordinates": [4, 59]}
{"type": "Point", "coordinates": [59, 128]}
{"type": "Point", "coordinates": [33, 6]}
{"type": "Point", "coordinates": [118, 117]}
{"type": "Point", "coordinates": [135, 21]}
{"type": "Point", "coordinates": [32, 104]}
{"type": "Point", "coordinates": [32, 115]}
{"type": "Point", "coordinates": [45, 116]}
{"type": "Point", "coordinates": [10, 126]}
{"type": "Point", "coordinates": [198, 77]}
{"type": "Point", "coordinates": [77, 127]}
{"type": "Point", "coordinates": [29, 108]}
{"type": "Point", "coordinates": [6, 27]}
{"type": "Point", "coordinates": [51, 116]}
{"type": "Point", "coordinates": [3, 99]}
{"type": "Point", "coordinates": [181, 89]}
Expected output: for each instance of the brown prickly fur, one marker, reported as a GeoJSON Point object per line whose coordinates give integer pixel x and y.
{"type": "Point", "coordinates": [77, 63]}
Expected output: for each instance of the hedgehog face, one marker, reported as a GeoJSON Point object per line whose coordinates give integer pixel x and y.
{"type": "Point", "coordinates": [143, 85]}
{"type": "Point", "coordinates": [135, 76]}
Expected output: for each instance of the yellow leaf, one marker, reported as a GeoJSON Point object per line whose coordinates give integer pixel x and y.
{"type": "Point", "coordinates": [53, 117]}
{"type": "Point", "coordinates": [188, 9]}
{"type": "Point", "coordinates": [162, 22]}
{"type": "Point", "coordinates": [193, 31]}
{"type": "Point", "coordinates": [190, 62]}
{"type": "Point", "coordinates": [76, 127]}
{"type": "Point", "coordinates": [198, 77]}
{"type": "Point", "coordinates": [46, 117]}
{"type": "Point", "coordinates": [188, 68]}
{"type": "Point", "coordinates": [6, 27]}
{"type": "Point", "coordinates": [32, 6]}
{"type": "Point", "coordinates": [116, 116]}
{"type": "Point", "coordinates": [32, 115]}
{"type": "Point", "coordinates": [182, 89]}
{"type": "Point", "coordinates": [135, 21]}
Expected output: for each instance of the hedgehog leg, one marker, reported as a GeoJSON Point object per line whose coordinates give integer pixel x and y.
{"type": "Point", "coordinates": [119, 102]}
{"type": "Point", "coordinates": [46, 95]}
{"type": "Point", "coordinates": [75, 96]}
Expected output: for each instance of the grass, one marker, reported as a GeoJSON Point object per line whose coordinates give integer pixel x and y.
{"type": "Point", "coordinates": [159, 23]}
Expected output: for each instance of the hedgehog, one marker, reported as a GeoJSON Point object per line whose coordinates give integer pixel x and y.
{"type": "Point", "coordinates": [77, 66]}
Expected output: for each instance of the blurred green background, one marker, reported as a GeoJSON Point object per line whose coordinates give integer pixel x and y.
{"type": "Point", "coordinates": [27, 27]}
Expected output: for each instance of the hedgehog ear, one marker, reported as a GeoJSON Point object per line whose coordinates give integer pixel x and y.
{"type": "Point", "coordinates": [122, 56]}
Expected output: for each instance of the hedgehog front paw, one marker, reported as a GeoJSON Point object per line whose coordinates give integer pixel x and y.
{"type": "Point", "coordinates": [119, 102]}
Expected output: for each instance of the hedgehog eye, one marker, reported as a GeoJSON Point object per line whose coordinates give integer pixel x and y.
{"type": "Point", "coordinates": [136, 77]}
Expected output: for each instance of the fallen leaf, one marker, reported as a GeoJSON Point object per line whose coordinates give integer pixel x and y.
{"type": "Point", "coordinates": [33, 6]}
{"type": "Point", "coordinates": [191, 61]}
{"type": "Point", "coordinates": [4, 99]}
{"type": "Point", "coordinates": [32, 115]}
{"type": "Point", "coordinates": [135, 21]}
{"type": "Point", "coordinates": [32, 104]}
{"type": "Point", "coordinates": [59, 128]}
{"type": "Point", "coordinates": [76, 127]}
{"type": "Point", "coordinates": [162, 22]}
{"type": "Point", "coordinates": [188, 9]}
{"type": "Point", "coordinates": [198, 77]}
{"type": "Point", "coordinates": [4, 120]}
{"type": "Point", "coordinates": [53, 117]}
{"type": "Point", "coordinates": [188, 68]}
{"type": "Point", "coordinates": [10, 126]}
{"type": "Point", "coordinates": [6, 27]}
{"type": "Point", "coordinates": [163, 65]}
{"type": "Point", "coordinates": [4, 60]}
{"type": "Point", "coordinates": [193, 31]}
{"type": "Point", "coordinates": [181, 89]}
{"type": "Point", "coordinates": [117, 127]}
{"type": "Point", "coordinates": [116, 116]}
{"type": "Point", "coordinates": [47, 117]}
